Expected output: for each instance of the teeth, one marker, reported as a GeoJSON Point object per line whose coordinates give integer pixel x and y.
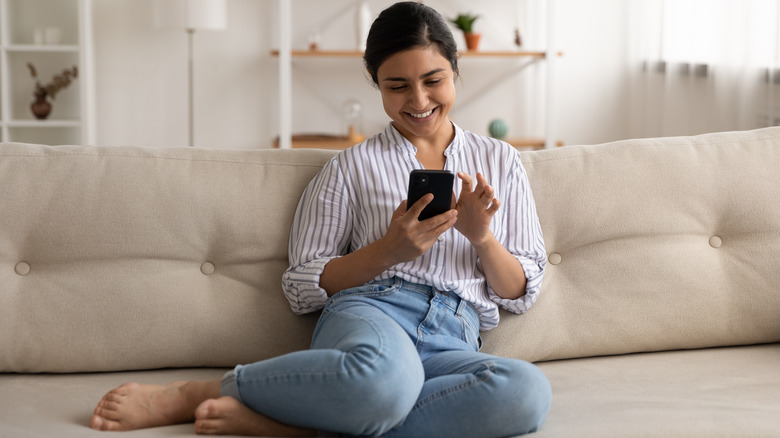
{"type": "Point", "coordinates": [423, 115]}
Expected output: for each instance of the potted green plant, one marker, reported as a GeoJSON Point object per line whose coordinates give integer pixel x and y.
{"type": "Point", "coordinates": [465, 22]}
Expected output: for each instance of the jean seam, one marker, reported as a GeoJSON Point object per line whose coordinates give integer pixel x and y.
{"type": "Point", "coordinates": [284, 376]}
{"type": "Point", "coordinates": [369, 292]}
{"type": "Point", "coordinates": [480, 377]}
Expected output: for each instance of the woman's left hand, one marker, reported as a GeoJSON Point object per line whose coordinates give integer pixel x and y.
{"type": "Point", "coordinates": [476, 208]}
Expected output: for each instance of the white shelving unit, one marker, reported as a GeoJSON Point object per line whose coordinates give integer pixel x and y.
{"type": "Point", "coordinates": [53, 35]}
{"type": "Point", "coordinates": [286, 54]}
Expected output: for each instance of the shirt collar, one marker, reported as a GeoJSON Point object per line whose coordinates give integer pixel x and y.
{"type": "Point", "coordinates": [394, 137]}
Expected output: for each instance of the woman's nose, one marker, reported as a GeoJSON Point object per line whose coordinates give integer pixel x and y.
{"type": "Point", "coordinates": [419, 98]}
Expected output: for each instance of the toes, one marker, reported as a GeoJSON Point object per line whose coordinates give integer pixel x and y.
{"type": "Point", "coordinates": [204, 410]}
{"type": "Point", "coordinates": [100, 423]}
{"type": "Point", "coordinates": [206, 427]}
{"type": "Point", "coordinates": [207, 421]}
{"type": "Point", "coordinates": [96, 422]}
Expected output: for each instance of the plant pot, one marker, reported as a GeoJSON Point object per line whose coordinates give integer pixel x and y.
{"type": "Point", "coordinates": [41, 107]}
{"type": "Point", "coordinates": [472, 40]}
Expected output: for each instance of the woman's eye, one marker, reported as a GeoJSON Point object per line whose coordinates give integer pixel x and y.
{"type": "Point", "coordinates": [397, 87]}
{"type": "Point", "coordinates": [434, 82]}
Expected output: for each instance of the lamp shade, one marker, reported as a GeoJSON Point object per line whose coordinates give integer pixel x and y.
{"type": "Point", "coordinates": [191, 14]}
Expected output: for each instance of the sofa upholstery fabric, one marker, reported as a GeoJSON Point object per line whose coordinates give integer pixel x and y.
{"type": "Point", "coordinates": [658, 314]}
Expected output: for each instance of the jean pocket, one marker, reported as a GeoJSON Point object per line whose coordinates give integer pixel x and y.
{"type": "Point", "coordinates": [470, 320]}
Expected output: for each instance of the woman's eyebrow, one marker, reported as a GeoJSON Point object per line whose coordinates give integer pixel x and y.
{"type": "Point", "coordinates": [422, 76]}
{"type": "Point", "coordinates": [431, 73]}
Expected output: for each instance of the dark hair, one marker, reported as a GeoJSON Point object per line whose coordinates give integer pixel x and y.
{"type": "Point", "coordinates": [404, 26]}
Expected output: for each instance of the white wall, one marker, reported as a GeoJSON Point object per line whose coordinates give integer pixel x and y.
{"type": "Point", "coordinates": [141, 74]}
{"type": "Point", "coordinates": [141, 78]}
{"type": "Point", "coordinates": [593, 99]}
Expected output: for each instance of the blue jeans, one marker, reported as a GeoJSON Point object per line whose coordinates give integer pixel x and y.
{"type": "Point", "coordinates": [396, 359]}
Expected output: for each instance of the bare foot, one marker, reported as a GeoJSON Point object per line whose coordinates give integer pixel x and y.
{"type": "Point", "coordinates": [136, 406]}
{"type": "Point", "coordinates": [228, 416]}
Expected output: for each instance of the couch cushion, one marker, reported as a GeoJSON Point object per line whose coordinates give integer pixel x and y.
{"type": "Point", "coordinates": [719, 392]}
{"type": "Point", "coordinates": [725, 392]}
{"type": "Point", "coordinates": [653, 244]}
{"type": "Point", "coordinates": [115, 258]}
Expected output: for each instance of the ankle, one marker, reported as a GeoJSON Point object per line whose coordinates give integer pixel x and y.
{"type": "Point", "coordinates": [196, 392]}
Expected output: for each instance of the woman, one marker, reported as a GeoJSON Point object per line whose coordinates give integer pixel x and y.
{"type": "Point", "coordinates": [395, 352]}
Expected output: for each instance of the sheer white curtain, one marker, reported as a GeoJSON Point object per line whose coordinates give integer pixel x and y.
{"type": "Point", "coordinates": [704, 65]}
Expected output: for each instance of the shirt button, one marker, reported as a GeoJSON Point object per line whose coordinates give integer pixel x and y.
{"type": "Point", "coordinates": [440, 238]}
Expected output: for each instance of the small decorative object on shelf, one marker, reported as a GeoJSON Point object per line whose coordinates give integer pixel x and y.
{"type": "Point", "coordinates": [362, 24]}
{"type": "Point", "coordinates": [314, 41]}
{"type": "Point", "coordinates": [518, 38]}
{"type": "Point", "coordinates": [41, 107]}
{"type": "Point", "coordinates": [497, 129]}
{"type": "Point", "coordinates": [465, 22]}
{"type": "Point", "coordinates": [353, 119]}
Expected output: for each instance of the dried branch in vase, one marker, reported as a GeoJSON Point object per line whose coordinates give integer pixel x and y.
{"type": "Point", "coordinates": [58, 81]}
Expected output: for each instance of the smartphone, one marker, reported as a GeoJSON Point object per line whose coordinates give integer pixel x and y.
{"type": "Point", "coordinates": [438, 182]}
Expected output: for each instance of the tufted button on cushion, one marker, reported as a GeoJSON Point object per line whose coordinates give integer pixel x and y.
{"type": "Point", "coordinates": [207, 268]}
{"type": "Point", "coordinates": [715, 242]}
{"type": "Point", "coordinates": [554, 258]}
{"type": "Point", "coordinates": [22, 268]}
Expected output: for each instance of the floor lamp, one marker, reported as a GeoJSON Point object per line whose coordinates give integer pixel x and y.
{"type": "Point", "coordinates": [191, 15]}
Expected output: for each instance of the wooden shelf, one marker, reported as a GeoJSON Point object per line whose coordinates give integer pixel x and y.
{"type": "Point", "coordinates": [42, 48]}
{"type": "Point", "coordinates": [529, 143]}
{"type": "Point", "coordinates": [48, 123]}
{"type": "Point", "coordinates": [319, 141]}
{"type": "Point", "coordinates": [467, 54]}
{"type": "Point", "coordinates": [315, 141]}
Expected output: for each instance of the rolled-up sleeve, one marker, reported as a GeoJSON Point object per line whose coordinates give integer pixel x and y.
{"type": "Point", "coordinates": [320, 232]}
{"type": "Point", "coordinates": [523, 239]}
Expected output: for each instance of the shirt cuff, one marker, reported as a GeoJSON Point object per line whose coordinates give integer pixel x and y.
{"type": "Point", "coordinates": [302, 289]}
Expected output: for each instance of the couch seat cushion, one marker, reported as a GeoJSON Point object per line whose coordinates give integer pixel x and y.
{"type": "Point", "coordinates": [719, 392]}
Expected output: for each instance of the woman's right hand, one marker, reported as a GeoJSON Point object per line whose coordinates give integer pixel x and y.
{"type": "Point", "coordinates": [407, 237]}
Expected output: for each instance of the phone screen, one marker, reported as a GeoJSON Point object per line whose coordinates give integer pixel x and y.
{"type": "Point", "coordinates": [438, 182]}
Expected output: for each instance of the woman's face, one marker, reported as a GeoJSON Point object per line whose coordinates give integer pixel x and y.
{"type": "Point", "coordinates": [418, 91]}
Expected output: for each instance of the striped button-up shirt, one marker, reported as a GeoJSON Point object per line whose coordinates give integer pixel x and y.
{"type": "Point", "coordinates": [350, 203]}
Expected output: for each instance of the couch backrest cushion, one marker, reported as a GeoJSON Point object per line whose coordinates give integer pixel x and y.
{"type": "Point", "coordinates": [654, 244]}
{"type": "Point", "coordinates": [115, 258]}
{"type": "Point", "coordinates": [119, 258]}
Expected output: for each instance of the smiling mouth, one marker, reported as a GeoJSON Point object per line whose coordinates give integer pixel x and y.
{"type": "Point", "coordinates": [422, 115]}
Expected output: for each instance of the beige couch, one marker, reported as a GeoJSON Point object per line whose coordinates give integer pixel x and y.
{"type": "Point", "coordinates": [659, 314]}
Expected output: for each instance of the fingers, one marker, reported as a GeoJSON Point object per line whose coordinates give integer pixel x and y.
{"type": "Point", "coordinates": [483, 190]}
{"type": "Point", "coordinates": [401, 210]}
{"type": "Point", "coordinates": [418, 206]}
{"type": "Point", "coordinates": [437, 224]}
{"type": "Point", "coordinates": [467, 181]}
{"type": "Point", "coordinates": [494, 207]}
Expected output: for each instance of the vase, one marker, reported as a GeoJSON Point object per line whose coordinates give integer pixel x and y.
{"type": "Point", "coordinates": [41, 107]}
{"type": "Point", "coordinates": [472, 40]}
{"type": "Point", "coordinates": [497, 129]}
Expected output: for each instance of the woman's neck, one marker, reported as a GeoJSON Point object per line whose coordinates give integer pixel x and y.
{"type": "Point", "coordinates": [431, 159]}
{"type": "Point", "coordinates": [430, 150]}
